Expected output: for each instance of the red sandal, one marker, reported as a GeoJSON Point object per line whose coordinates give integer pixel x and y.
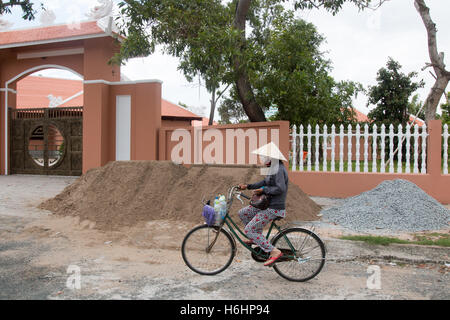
{"type": "Point", "coordinates": [269, 262]}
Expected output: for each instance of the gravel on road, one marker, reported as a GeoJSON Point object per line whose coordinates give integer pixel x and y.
{"type": "Point", "coordinates": [394, 205]}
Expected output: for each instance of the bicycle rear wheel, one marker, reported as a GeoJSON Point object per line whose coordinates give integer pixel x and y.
{"type": "Point", "coordinates": [305, 261]}
{"type": "Point", "coordinates": [208, 251]}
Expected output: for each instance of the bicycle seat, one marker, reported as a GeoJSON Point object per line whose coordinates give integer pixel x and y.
{"type": "Point", "coordinates": [278, 218]}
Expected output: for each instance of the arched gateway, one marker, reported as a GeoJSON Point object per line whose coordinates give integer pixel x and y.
{"type": "Point", "coordinates": [118, 121]}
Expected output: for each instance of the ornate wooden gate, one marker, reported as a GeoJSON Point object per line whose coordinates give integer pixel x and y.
{"type": "Point", "coordinates": [46, 141]}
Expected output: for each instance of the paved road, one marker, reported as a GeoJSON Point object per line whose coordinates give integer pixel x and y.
{"type": "Point", "coordinates": [37, 250]}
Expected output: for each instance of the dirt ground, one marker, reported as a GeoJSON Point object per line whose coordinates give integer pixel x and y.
{"type": "Point", "coordinates": [38, 250]}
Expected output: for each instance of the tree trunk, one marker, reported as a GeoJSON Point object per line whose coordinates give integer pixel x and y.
{"type": "Point", "coordinates": [243, 86]}
{"type": "Point", "coordinates": [213, 107]}
{"type": "Point", "coordinates": [437, 62]}
{"type": "Point", "coordinates": [432, 101]}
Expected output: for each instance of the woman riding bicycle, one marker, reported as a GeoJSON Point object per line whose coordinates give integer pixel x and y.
{"type": "Point", "coordinates": [275, 185]}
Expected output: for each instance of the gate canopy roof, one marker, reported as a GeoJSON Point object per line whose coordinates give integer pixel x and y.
{"type": "Point", "coordinates": [57, 33]}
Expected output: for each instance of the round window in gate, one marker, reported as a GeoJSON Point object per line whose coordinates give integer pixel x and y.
{"type": "Point", "coordinates": [36, 145]}
{"type": "Point", "coordinates": [55, 146]}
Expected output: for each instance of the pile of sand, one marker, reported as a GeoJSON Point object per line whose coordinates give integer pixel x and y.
{"type": "Point", "coordinates": [122, 194]}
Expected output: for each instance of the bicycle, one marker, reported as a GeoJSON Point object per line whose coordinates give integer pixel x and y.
{"type": "Point", "coordinates": [209, 250]}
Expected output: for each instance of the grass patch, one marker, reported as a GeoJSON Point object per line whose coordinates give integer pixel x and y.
{"type": "Point", "coordinates": [384, 241]}
{"type": "Point", "coordinates": [442, 241]}
{"type": "Point", "coordinates": [434, 239]}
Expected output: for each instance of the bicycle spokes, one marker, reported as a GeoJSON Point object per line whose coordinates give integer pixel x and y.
{"type": "Point", "coordinates": [307, 258]}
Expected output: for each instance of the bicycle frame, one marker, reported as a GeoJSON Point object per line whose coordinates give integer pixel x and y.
{"type": "Point", "coordinates": [232, 226]}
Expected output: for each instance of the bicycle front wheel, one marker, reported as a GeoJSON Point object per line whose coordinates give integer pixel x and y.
{"type": "Point", "coordinates": [304, 254]}
{"type": "Point", "coordinates": [208, 250]}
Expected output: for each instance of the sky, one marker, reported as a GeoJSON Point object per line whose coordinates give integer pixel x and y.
{"type": "Point", "coordinates": [357, 43]}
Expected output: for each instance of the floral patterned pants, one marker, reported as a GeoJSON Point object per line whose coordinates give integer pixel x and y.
{"type": "Point", "coordinates": [255, 220]}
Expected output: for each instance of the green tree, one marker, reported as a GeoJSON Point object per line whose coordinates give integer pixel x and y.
{"type": "Point", "coordinates": [230, 109]}
{"type": "Point", "coordinates": [26, 6]}
{"type": "Point", "coordinates": [441, 74]}
{"type": "Point", "coordinates": [198, 32]}
{"type": "Point", "coordinates": [289, 73]}
{"type": "Point", "coordinates": [445, 107]}
{"type": "Point", "coordinates": [416, 107]}
{"type": "Point", "coordinates": [391, 94]}
{"type": "Point", "coordinates": [334, 6]}
{"type": "Point", "coordinates": [210, 37]}
{"type": "Point", "coordinates": [243, 12]}
{"type": "Point", "coordinates": [296, 77]}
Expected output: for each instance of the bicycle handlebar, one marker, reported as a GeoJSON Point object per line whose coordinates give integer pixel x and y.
{"type": "Point", "coordinates": [231, 192]}
{"type": "Point", "coordinates": [238, 194]}
{"type": "Point", "coordinates": [243, 195]}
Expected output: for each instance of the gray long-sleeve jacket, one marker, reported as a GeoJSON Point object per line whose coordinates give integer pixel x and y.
{"type": "Point", "coordinates": [276, 186]}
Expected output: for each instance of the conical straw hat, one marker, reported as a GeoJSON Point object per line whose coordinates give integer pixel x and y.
{"type": "Point", "coordinates": [270, 150]}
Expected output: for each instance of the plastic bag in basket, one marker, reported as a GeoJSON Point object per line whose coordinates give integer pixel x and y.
{"type": "Point", "coordinates": [209, 215]}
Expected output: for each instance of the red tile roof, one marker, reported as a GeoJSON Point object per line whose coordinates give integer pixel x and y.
{"type": "Point", "coordinates": [360, 117]}
{"type": "Point", "coordinates": [32, 92]}
{"type": "Point", "coordinates": [49, 34]}
{"type": "Point", "coordinates": [418, 121]}
{"type": "Point", "coordinates": [204, 122]}
{"type": "Point", "coordinates": [169, 109]}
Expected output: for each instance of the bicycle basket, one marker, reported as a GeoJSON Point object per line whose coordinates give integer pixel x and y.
{"type": "Point", "coordinates": [209, 215]}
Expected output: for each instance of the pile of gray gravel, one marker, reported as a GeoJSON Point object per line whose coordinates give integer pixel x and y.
{"type": "Point", "coordinates": [394, 205]}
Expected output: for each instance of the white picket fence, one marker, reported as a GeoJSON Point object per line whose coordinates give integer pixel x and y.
{"type": "Point", "coordinates": [445, 136]}
{"type": "Point", "coordinates": [387, 153]}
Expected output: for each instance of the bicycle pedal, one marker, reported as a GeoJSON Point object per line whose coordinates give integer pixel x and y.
{"type": "Point", "coordinates": [272, 265]}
